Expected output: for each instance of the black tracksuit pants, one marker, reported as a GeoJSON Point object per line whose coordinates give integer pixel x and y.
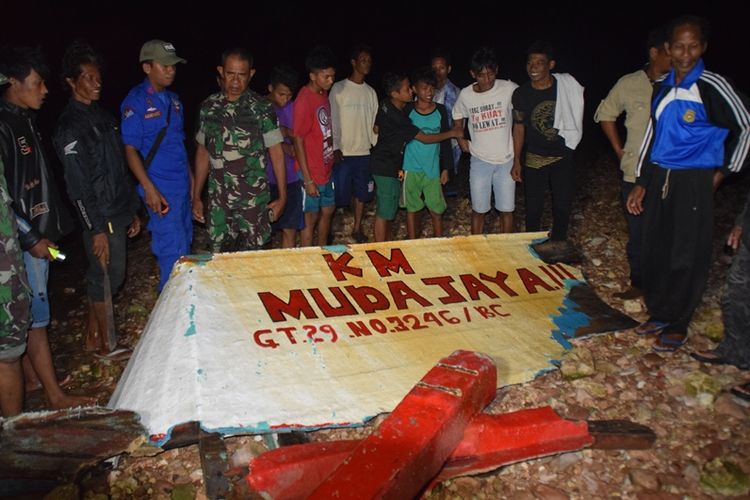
{"type": "Point", "coordinates": [676, 253]}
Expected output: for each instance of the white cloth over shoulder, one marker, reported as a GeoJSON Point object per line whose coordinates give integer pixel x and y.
{"type": "Point", "coordinates": [569, 109]}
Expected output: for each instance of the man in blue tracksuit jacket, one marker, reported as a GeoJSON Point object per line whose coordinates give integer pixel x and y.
{"type": "Point", "coordinates": [164, 185]}
{"type": "Point", "coordinates": [699, 132]}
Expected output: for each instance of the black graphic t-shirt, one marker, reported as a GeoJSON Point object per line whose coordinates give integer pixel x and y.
{"type": "Point", "coordinates": [536, 110]}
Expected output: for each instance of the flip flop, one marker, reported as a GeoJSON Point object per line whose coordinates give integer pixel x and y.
{"type": "Point", "coordinates": [742, 391]}
{"type": "Point", "coordinates": [709, 357]}
{"type": "Point", "coordinates": [669, 341]}
{"type": "Point", "coordinates": [651, 327]}
{"type": "Point", "coordinates": [119, 353]}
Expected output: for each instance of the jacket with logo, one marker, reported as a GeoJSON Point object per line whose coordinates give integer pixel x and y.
{"type": "Point", "coordinates": [88, 143]}
{"type": "Point", "coordinates": [702, 122]}
{"type": "Point", "coordinates": [36, 200]}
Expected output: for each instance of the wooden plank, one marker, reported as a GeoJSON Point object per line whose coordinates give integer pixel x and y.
{"type": "Point", "coordinates": [620, 435]}
{"type": "Point", "coordinates": [214, 462]}
{"type": "Point", "coordinates": [59, 444]}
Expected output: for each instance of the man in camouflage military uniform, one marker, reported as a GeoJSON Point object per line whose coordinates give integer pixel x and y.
{"type": "Point", "coordinates": [14, 305]}
{"type": "Point", "coordinates": [236, 126]}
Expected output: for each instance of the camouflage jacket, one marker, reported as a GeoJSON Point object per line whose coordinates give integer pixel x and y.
{"type": "Point", "coordinates": [12, 273]}
{"type": "Point", "coordinates": [236, 135]}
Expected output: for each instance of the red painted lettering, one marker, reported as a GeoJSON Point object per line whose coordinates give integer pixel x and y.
{"type": "Point", "coordinates": [330, 331]}
{"type": "Point", "coordinates": [453, 296]}
{"type": "Point", "coordinates": [310, 330]}
{"type": "Point", "coordinates": [277, 308]}
{"type": "Point", "coordinates": [499, 280]}
{"type": "Point", "coordinates": [345, 308]}
{"type": "Point", "coordinates": [446, 315]}
{"type": "Point", "coordinates": [496, 309]}
{"type": "Point", "coordinates": [378, 325]}
{"type": "Point", "coordinates": [385, 266]}
{"type": "Point", "coordinates": [431, 318]}
{"type": "Point", "coordinates": [288, 330]}
{"type": "Point", "coordinates": [264, 342]}
{"type": "Point", "coordinates": [368, 299]}
{"type": "Point", "coordinates": [339, 266]}
{"type": "Point", "coordinates": [474, 287]}
{"type": "Point", "coordinates": [401, 293]}
{"type": "Point", "coordinates": [551, 276]}
{"type": "Point", "coordinates": [484, 312]}
{"type": "Point", "coordinates": [531, 281]}
{"type": "Point", "coordinates": [358, 328]}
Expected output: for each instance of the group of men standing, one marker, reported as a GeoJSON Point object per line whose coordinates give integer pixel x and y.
{"type": "Point", "coordinates": [681, 142]}
{"type": "Point", "coordinates": [688, 128]}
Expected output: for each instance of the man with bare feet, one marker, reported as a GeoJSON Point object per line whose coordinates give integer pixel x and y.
{"type": "Point", "coordinates": [36, 204]}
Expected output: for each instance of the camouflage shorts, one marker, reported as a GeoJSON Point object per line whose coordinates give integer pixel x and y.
{"type": "Point", "coordinates": [14, 319]}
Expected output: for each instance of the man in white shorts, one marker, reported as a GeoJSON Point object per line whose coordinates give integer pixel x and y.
{"type": "Point", "coordinates": [486, 104]}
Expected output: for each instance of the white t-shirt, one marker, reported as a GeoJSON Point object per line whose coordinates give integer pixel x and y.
{"type": "Point", "coordinates": [353, 110]}
{"type": "Point", "coordinates": [490, 119]}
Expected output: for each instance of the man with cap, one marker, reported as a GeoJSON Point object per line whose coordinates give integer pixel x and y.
{"type": "Point", "coordinates": [152, 130]}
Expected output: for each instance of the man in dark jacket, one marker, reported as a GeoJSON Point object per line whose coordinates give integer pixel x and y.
{"type": "Point", "coordinates": [89, 145]}
{"type": "Point", "coordinates": [40, 215]}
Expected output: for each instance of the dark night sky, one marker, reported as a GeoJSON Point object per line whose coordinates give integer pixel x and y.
{"type": "Point", "coordinates": [595, 44]}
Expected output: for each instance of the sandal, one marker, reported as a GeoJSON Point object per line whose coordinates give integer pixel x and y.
{"type": "Point", "coordinates": [709, 357]}
{"type": "Point", "coordinates": [650, 327]}
{"type": "Point", "coordinates": [742, 391]}
{"type": "Point", "coordinates": [120, 353]}
{"type": "Point", "coordinates": [669, 341]}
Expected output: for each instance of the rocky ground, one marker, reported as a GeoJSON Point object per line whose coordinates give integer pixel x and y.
{"type": "Point", "coordinates": [703, 432]}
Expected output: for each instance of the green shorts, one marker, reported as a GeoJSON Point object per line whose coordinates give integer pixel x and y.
{"type": "Point", "coordinates": [420, 191]}
{"type": "Point", "coordinates": [387, 192]}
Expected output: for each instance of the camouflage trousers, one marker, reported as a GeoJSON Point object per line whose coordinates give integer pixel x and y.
{"type": "Point", "coordinates": [735, 308]}
{"type": "Point", "coordinates": [238, 229]}
{"type": "Point", "coordinates": [15, 314]}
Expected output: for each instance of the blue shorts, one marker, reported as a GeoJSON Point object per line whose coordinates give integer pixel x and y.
{"type": "Point", "coordinates": [326, 198]}
{"type": "Point", "coordinates": [486, 178]}
{"type": "Point", "coordinates": [37, 271]}
{"type": "Point", "coordinates": [292, 217]}
{"type": "Point", "coordinates": [352, 176]}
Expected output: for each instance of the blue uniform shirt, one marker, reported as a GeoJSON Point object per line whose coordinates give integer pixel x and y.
{"type": "Point", "coordinates": [144, 114]}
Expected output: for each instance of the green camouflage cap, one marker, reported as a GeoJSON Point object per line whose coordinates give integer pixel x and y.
{"type": "Point", "coordinates": [161, 52]}
{"type": "Point", "coordinates": [3, 79]}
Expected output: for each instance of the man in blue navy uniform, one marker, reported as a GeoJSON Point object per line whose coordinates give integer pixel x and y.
{"type": "Point", "coordinates": [160, 166]}
{"type": "Point", "coordinates": [699, 132]}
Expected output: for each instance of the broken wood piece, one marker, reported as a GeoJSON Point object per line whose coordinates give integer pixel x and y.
{"type": "Point", "coordinates": [214, 463]}
{"type": "Point", "coordinates": [411, 445]}
{"type": "Point", "coordinates": [489, 442]}
{"type": "Point", "coordinates": [620, 435]}
{"type": "Point", "coordinates": [494, 440]}
{"type": "Point", "coordinates": [60, 444]}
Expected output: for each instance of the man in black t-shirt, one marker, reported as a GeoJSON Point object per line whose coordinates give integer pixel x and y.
{"type": "Point", "coordinates": [547, 125]}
